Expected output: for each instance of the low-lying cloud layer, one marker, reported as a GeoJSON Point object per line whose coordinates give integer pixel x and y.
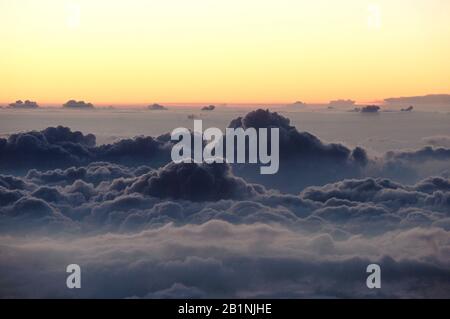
{"type": "Point", "coordinates": [217, 259]}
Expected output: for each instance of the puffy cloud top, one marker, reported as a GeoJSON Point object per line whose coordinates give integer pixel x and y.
{"type": "Point", "coordinates": [209, 108]}
{"type": "Point", "coordinates": [61, 148]}
{"type": "Point", "coordinates": [157, 107]}
{"type": "Point", "coordinates": [370, 109]}
{"type": "Point", "coordinates": [303, 157]}
{"type": "Point", "coordinates": [194, 182]}
{"type": "Point", "coordinates": [78, 105]}
{"type": "Point", "coordinates": [24, 105]}
{"type": "Point", "coordinates": [341, 103]}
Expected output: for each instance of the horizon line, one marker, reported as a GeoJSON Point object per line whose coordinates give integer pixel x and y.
{"type": "Point", "coordinates": [216, 103]}
{"type": "Point", "coordinates": [184, 104]}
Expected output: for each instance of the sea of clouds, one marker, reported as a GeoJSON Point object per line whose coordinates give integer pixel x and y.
{"type": "Point", "coordinates": [141, 226]}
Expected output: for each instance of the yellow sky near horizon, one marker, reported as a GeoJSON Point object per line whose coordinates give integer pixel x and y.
{"type": "Point", "coordinates": [233, 51]}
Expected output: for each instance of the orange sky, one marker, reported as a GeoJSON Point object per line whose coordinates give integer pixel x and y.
{"type": "Point", "coordinates": [278, 51]}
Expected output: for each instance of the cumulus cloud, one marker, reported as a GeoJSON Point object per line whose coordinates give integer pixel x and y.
{"type": "Point", "coordinates": [370, 109]}
{"type": "Point", "coordinates": [59, 147]}
{"type": "Point", "coordinates": [422, 155]}
{"type": "Point", "coordinates": [208, 108]}
{"type": "Point", "coordinates": [408, 109]}
{"type": "Point", "coordinates": [410, 166]}
{"type": "Point", "coordinates": [304, 159]}
{"type": "Point", "coordinates": [137, 151]}
{"type": "Point", "coordinates": [157, 107]}
{"type": "Point", "coordinates": [94, 173]}
{"type": "Point", "coordinates": [72, 104]}
{"type": "Point", "coordinates": [194, 182]}
{"type": "Point", "coordinates": [27, 104]}
{"type": "Point", "coordinates": [297, 105]}
{"type": "Point", "coordinates": [50, 148]}
{"type": "Point", "coordinates": [341, 103]}
{"type": "Point", "coordinates": [380, 204]}
{"type": "Point", "coordinates": [108, 197]}
{"type": "Point", "coordinates": [142, 197]}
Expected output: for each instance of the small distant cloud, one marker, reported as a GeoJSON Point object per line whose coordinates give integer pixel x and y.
{"type": "Point", "coordinates": [78, 105]}
{"type": "Point", "coordinates": [370, 109]}
{"type": "Point", "coordinates": [157, 107]}
{"type": "Point", "coordinates": [341, 103]}
{"type": "Point", "coordinates": [408, 109]}
{"type": "Point", "coordinates": [298, 104]}
{"type": "Point", "coordinates": [24, 105]}
{"type": "Point", "coordinates": [192, 117]}
{"type": "Point", "coordinates": [209, 108]}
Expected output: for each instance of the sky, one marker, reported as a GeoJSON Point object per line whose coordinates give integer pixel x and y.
{"type": "Point", "coordinates": [175, 51]}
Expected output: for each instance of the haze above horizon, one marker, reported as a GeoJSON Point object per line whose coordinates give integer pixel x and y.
{"type": "Point", "coordinates": [117, 52]}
